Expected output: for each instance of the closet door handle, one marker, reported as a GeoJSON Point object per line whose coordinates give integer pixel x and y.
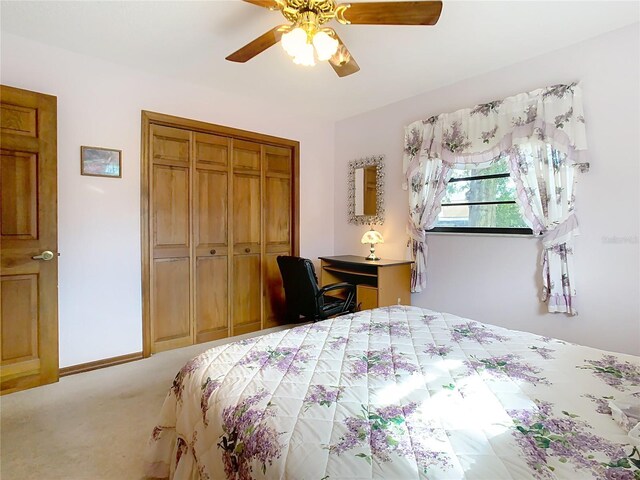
{"type": "Point", "coordinates": [213, 252]}
{"type": "Point", "coordinates": [247, 250]}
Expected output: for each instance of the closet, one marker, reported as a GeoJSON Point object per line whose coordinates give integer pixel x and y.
{"type": "Point", "coordinates": [218, 206]}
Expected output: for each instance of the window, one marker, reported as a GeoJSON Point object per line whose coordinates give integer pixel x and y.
{"type": "Point", "coordinates": [481, 201]}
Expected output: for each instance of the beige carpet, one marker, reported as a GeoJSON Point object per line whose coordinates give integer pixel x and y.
{"type": "Point", "coordinates": [89, 426]}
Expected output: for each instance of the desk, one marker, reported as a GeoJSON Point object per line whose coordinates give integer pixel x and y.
{"type": "Point", "coordinates": [378, 283]}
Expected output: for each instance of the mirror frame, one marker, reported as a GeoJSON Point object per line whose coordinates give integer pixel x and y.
{"type": "Point", "coordinates": [378, 218]}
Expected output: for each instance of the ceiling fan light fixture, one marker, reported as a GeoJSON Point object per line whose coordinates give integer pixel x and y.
{"type": "Point", "coordinates": [305, 56]}
{"type": "Point", "coordinates": [294, 42]}
{"type": "Point", "coordinates": [306, 39]}
{"type": "Point", "coordinates": [325, 45]}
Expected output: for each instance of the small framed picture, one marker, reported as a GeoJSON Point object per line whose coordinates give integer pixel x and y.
{"type": "Point", "coordinates": [100, 162]}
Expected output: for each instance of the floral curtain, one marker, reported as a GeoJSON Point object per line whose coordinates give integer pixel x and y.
{"type": "Point", "coordinates": [543, 134]}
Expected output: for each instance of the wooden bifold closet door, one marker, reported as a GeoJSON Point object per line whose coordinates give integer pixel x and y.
{"type": "Point", "coordinates": [218, 206]}
{"type": "Point", "coordinates": [211, 237]}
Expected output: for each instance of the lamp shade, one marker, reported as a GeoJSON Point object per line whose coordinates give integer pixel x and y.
{"type": "Point", "coordinates": [325, 45]}
{"type": "Point", "coordinates": [305, 56]}
{"type": "Point", "coordinates": [372, 237]}
{"type": "Point", "coordinates": [294, 41]}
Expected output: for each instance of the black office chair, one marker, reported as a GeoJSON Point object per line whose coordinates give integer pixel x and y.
{"type": "Point", "coordinates": [304, 298]}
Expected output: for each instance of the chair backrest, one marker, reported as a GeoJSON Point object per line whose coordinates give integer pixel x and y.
{"type": "Point", "coordinates": [300, 285]}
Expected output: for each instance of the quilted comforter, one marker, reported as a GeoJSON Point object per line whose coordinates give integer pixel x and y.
{"type": "Point", "coordinates": [397, 393]}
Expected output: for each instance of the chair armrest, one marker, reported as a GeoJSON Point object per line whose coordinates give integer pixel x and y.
{"type": "Point", "coordinates": [336, 286]}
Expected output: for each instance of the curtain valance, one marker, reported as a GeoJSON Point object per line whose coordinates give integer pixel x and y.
{"type": "Point", "coordinates": [542, 134]}
{"type": "Point", "coordinates": [551, 115]}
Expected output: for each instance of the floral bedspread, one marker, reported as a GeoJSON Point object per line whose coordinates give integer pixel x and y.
{"type": "Point", "coordinates": [397, 393]}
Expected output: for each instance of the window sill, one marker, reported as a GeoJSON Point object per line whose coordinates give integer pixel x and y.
{"type": "Point", "coordinates": [474, 234]}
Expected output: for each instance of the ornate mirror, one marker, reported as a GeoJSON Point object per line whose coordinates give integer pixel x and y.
{"type": "Point", "coordinates": [366, 190]}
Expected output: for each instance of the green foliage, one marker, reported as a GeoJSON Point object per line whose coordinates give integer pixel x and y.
{"type": "Point", "coordinates": [365, 456]}
{"type": "Point", "coordinates": [494, 189]}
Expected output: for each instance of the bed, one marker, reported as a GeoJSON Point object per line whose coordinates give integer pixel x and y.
{"type": "Point", "coordinates": [399, 393]}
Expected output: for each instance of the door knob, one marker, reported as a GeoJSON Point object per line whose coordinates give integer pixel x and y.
{"type": "Point", "coordinates": [46, 256]}
{"type": "Point", "coordinates": [248, 250]}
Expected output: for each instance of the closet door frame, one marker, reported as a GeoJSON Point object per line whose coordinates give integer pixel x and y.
{"type": "Point", "coordinates": [154, 118]}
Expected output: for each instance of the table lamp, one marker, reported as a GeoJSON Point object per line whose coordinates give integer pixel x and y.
{"type": "Point", "coordinates": [372, 237]}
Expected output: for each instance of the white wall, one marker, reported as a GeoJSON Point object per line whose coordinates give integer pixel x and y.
{"type": "Point", "coordinates": [99, 104]}
{"type": "Point", "coordinates": [496, 279]}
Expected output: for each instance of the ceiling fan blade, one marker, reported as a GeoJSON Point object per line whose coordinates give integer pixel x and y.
{"type": "Point", "coordinates": [270, 4]}
{"type": "Point", "coordinates": [393, 13]}
{"type": "Point", "coordinates": [342, 62]}
{"type": "Point", "coordinates": [257, 46]}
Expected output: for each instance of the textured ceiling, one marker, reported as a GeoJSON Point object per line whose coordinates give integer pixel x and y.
{"type": "Point", "coordinates": [189, 41]}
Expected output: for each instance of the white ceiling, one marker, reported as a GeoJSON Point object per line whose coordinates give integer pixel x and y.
{"type": "Point", "coordinates": [189, 41]}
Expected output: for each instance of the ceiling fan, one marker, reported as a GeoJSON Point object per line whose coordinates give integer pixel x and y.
{"type": "Point", "coordinates": [306, 38]}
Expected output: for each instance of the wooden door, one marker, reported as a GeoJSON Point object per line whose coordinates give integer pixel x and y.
{"type": "Point", "coordinates": [211, 236]}
{"type": "Point", "coordinates": [277, 210]}
{"type": "Point", "coordinates": [247, 237]}
{"type": "Point", "coordinates": [170, 266]}
{"type": "Point", "coordinates": [28, 287]}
